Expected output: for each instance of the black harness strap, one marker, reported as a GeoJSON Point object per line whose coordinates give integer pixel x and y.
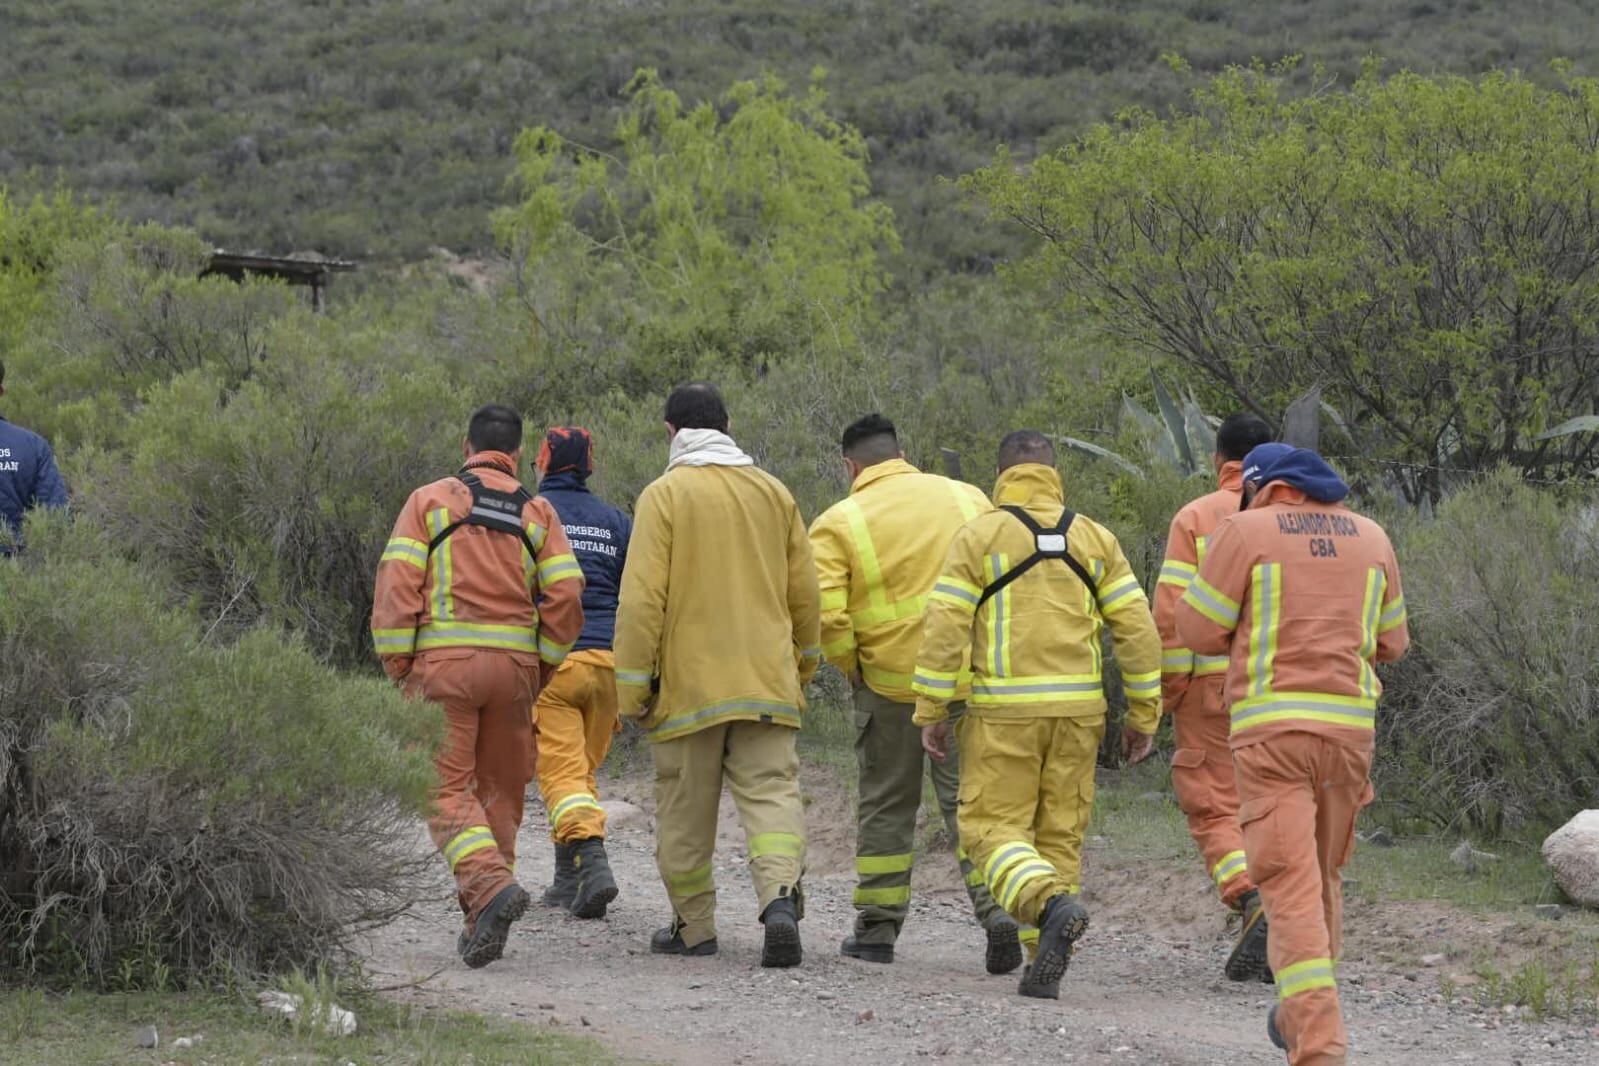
{"type": "Point", "coordinates": [491, 509]}
{"type": "Point", "coordinates": [1047, 544]}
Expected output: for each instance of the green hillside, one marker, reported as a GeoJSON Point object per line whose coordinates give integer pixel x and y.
{"type": "Point", "coordinates": [381, 128]}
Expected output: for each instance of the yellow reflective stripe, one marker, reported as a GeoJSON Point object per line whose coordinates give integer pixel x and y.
{"type": "Point", "coordinates": [835, 599]}
{"type": "Point", "coordinates": [886, 678]}
{"type": "Point", "coordinates": [1044, 688]}
{"type": "Point", "coordinates": [693, 883]}
{"type": "Point", "coordinates": [1028, 934]}
{"type": "Point", "coordinates": [974, 877]}
{"type": "Point", "coordinates": [551, 652]}
{"type": "Point", "coordinates": [559, 568]}
{"type": "Point", "coordinates": [1019, 878]}
{"type": "Point", "coordinates": [834, 648]}
{"type": "Point", "coordinates": [1357, 711]}
{"type": "Point", "coordinates": [999, 611]}
{"type": "Point", "coordinates": [1205, 598]}
{"type": "Point", "coordinates": [1266, 600]}
{"type": "Point", "coordinates": [1176, 660]}
{"type": "Point", "coordinates": [1393, 615]}
{"type": "Point", "coordinates": [779, 713]}
{"type": "Point", "coordinates": [576, 801]}
{"type": "Point", "coordinates": [1304, 977]}
{"type": "Point", "coordinates": [932, 684]}
{"type": "Point", "coordinates": [883, 864]}
{"type": "Point", "coordinates": [632, 677]}
{"type": "Point", "coordinates": [1231, 865]}
{"type": "Point", "coordinates": [472, 838]}
{"type": "Point", "coordinates": [475, 635]}
{"type": "Point", "coordinates": [946, 592]}
{"type": "Point", "coordinates": [1200, 543]}
{"type": "Point", "coordinates": [536, 533]}
{"type": "Point", "coordinates": [406, 550]}
{"type": "Point", "coordinates": [1211, 664]}
{"type": "Point", "coordinates": [964, 499]}
{"type": "Point", "coordinates": [438, 520]}
{"type": "Point", "coordinates": [867, 617]}
{"type": "Point", "coordinates": [1141, 684]}
{"type": "Point", "coordinates": [394, 641]}
{"type": "Point", "coordinates": [1370, 610]}
{"type": "Point", "coordinates": [1173, 572]}
{"type": "Point", "coordinates": [882, 897]}
{"type": "Point", "coordinates": [871, 569]}
{"type": "Point", "coordinates": [530, 567]}
{"type": "Point", "coordinates": [776, 844]}
{"type": "Point", "coordinates": [1120, 594]}
{"type": "Point", "coordinates": [1007, 855]}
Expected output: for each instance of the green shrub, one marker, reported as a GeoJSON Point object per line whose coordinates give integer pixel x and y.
{"type": "Point", "coordinates": [1492, 722]}
{"type": "Point", "coordinates": [174, 809]}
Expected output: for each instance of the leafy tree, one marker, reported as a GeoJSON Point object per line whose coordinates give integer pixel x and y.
{"type": "Point", "coordinates": [1424, 249]}
{"type": "Point", "coordinates": [741, 230]}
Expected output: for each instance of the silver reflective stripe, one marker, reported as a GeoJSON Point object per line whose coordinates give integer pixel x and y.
{"type": "Point", "coordinates": [928, 682]}
{"type": "Point", "coordinates": [1025, 690]}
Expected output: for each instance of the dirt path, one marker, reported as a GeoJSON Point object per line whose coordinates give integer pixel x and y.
{"type": "Point", "coordinates": [1145, 987]}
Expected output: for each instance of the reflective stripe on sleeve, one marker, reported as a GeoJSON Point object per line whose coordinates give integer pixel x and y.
{"type": "Point", "coordinates": [558, 568]}
{"type": "Point", "coordinates": [1141, 686]}
{"type": "Point", "coordinates": [1177, 573]}
{"type": "Point", "coordinates": [394, 641]}
{"type": "Point", "coordinates": [1205, 598]}
{"type": "Point", "coordinates": [835, 599]}
{"type": "Point", "coordinates": [1121, 593]}
{"type": "Point", "coordinates": [1393, 615]}
{"type": "Point", "coordinates": [632, 677]}
{"type": "Point", "coordinates": [406, 550]}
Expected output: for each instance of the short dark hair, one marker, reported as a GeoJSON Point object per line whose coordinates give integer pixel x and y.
{"type": "Point", "coordinates": [1025, 446]}
{"type": "Point", "coordinates": [871, 439]}
{"type": "Point", "coordinates": [697, 405]}
{"type": "Point", "coordinates": [494, 428]}
{"type": "Point", "coordinates": [1240, 434]}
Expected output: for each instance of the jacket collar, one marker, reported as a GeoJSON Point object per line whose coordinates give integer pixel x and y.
{"type": "Point", "coordinates": [1230, 478]}
{"type": "Point", "coordinates": [1029, 483]}
{"type": "Point", "coordinates": [1284, 493]}
{"type": "Point", "coordinates": [491, 460]}
{"type": "Point", "coordinates": [878, 471]}
{"type": "Point", "coordinates": [565, 481]}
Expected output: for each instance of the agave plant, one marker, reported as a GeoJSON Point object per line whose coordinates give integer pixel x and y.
{"type": "Point", "coordinates": [1182, 437]}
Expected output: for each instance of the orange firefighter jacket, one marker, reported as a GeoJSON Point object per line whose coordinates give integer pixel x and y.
{"type": "Point", "coordinates": [878, 554]}
{"type": "Point", "coordinates": [1304, 597]}
{"type": "Point", "coordinates": [1185, 550]}
{"type": "Point", "coordinates": [1035, 648]}
{"type": "Point", "coordinates": [480, 588]}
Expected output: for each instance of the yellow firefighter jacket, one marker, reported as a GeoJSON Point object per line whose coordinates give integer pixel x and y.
{"type": "Point", "coordinates": [878, 554]}
{"type": "Point", "coordinates": [1035, 646]}
{"type": "Point", "coordinates": [718, 607]}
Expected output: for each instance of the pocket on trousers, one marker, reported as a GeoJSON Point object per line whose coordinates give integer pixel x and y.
{"type": "Point", "coordinates": [1367, 794]}
{"type": "Point", "coordinates": [431, 672]}
{"type": "Point", "coordinates": [1263, 838]}
{"type": "Point", "coordinates": [1193, 796]}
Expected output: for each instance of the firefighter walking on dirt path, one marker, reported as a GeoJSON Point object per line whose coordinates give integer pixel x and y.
{"type": "Point", "coordinates": [575, 716]}
{"type": "Point", "coordinates": [717, 633]}
{"type": "Point", "coordinates": [1304, 597]}
{"type": "Point", "coordinates": [478, 600]}
{"type": "Point", "coordinates": [878, 554]}
{"type": "Point", "coordinates": [1025, 593]}
{"type": "Point", "coordinates": [1191, 688]}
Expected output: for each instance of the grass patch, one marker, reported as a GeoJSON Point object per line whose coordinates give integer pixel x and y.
{"type": "Point", "coordinates": [77, 1028]}
{"type": "Point", "coordinates": [1134, 809]}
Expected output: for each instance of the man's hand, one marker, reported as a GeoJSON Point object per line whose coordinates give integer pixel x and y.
{"type": "Point", "coordinates": [935, 740]}
{"type": "Point", "coordinates": [1136, 746]}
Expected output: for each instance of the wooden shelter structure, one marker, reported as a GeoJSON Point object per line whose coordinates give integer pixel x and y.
{"type": "Point", "coordinates": [296, 270]}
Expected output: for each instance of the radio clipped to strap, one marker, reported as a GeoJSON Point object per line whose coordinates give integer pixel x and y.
{"type": "Point", "coordinates": [1048, 543]}
{"type": "Point", "coordinates": [491, 509]}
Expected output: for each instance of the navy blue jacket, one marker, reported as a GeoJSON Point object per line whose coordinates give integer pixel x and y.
{"type": "Point", "coordinates": [28, 476]}
{"type": "Point", "coordinates": [599, 534]}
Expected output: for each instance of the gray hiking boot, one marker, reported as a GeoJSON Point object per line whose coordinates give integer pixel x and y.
{"type": "Point", "coordinates": [486, 941]}
{"type": "Point", "coordinates": [782, 945]}
{"type": "Point", "coordinates": [596, 887]}
{"type": "Point", "coordinates": [1004, 948]}
{"type": "Point", "coordinates": [1248, 959]}
{"type": "Point", "coordinates": [669, 941]}
{"type": "Point", "coordinates": [1063, 924]}
{"type": "Point", "coordinates": [564, 888]}
{"type": "Point", "coordinates": [855, 949]}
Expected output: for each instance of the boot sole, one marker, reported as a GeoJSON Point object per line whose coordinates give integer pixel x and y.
{"type": "Point", "coordinates": [1052, 961]}
{"type": "Point", "coordinates": [782, 946]}
{"type": "Point", "coordinates": [1248, 959]}
{"type": "Point", "coordinates": [1004, 951]}
{"type": "Point", "coordinates": [703, 948]}
{"type": "Point", "coordinates": [564, 901]}
{"type": "Point", "coordinates": [487, 942]}
{"type": "Point", "coordinates": [883, 953]}
{"type": "Point", "coordinates": [593, 904]}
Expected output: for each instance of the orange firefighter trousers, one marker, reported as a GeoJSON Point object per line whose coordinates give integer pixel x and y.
{"type": "Point", "coordinates": [484, 764]}
{"type": "Point", "coordinates": [576, 719]}
{"type": "Point", "coordinates": [1207, 790]}
{"type": "Point", "coordinates": [1300, 795]}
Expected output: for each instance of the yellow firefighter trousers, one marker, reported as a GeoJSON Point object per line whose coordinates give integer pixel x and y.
{"type": "Point", "coordinates": [576, 719]}
{"type": "Point", "coordinates": [1027, 787]}
{"type": "Point", "coordinates": [759, 764]}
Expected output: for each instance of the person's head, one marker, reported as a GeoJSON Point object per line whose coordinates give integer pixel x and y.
{"type": "Point", "coordinates": [697, 405]}
{"type": "Point", "coordinates": [1025, 446]}
{"type": "Point", "coordinates": [869, 440]}
{"type": "Point", "coordinates": [1258, 465]}
{"type": "Point", "coordinates": [1239, 435]}
{"type": "Point", "coordinates": [566, 450]}
{"type": "Point", "coordinates": [494, 428]}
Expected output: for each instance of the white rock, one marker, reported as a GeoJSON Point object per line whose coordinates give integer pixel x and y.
{"type": "Point", "coordinates": [1572, 852]}
{"type": "Point", "coordinates": [621, 813]}
{"type": "Point", "coordinates": [182, 1043]}
{"type": "Point", "coordinates": [333, 1019]}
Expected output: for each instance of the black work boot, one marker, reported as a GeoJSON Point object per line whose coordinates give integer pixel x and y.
{"type": "Point", "coordinates": [564, 887]}
{"type": "Point", "coordinates": [1248, 958]}
{"type": "Point", "coordinates": [1004, 948]}
{"type": "Point", "coordinates": [1063, 923]}
{"type": "Point", "coordinates": [669, 941]}
{"type": "Point", "coordinates": [1273, 1033]}
{"type": "Point", "coordinates": [853, 947]}
{"type": "Point", "coordinates": [486, 941]}
{"type": "Point", "coordinates": [595, 885]}
{"type": "Point", "coordinates": [782, 946]}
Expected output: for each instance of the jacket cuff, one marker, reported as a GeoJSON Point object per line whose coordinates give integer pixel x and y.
{"type": "Point", "coordinates": [929, 712]}
{"type": "Point", "coordinates": [1144, 717]}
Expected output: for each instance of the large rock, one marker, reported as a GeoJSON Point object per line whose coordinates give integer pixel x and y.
{"type": "Point", "coordinates": [1572, 852]}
